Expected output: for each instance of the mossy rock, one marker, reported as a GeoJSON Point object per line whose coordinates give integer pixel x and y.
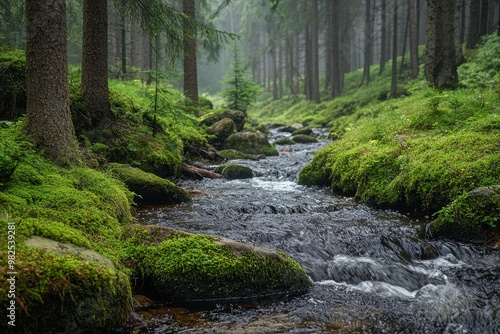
{"type": "Point", "coordinates": [13, 87]}
{"type": "Point", "coordinates": [59, 291]}
{"type": "Point", "coordinates": [221, 130]}
{"type": "Point", "coordinates": [471, 217]}
{"type": "Point", "coordinates": [251, 143]}
{"type": "Point", "coordinates": [238, 117]}
{"type": "Point", "coordinates": [148, 187]}
{"type": "Point", "coordinates": [235, 155]}
{"type": "Point", "coordinates": [303, 131]}
{"type": "Point", "coordinates": [304, 139]}
{"type": "Point", "coordinates": [185, 268]}
{"type": "Point", "coordinates": [288, 129]}
{"type": "Point", "coordinates": [284, 141]}
{"type": "Point", "coordinates": [233, 172]}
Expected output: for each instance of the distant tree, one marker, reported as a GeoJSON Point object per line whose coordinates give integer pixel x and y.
{"type": "Point", "coordinates": [190, 66]}
{"type": "Point", "coordinates": [474, 23]}
{"type": "Point", "coordinates": [368, 42]}
{"type": "Point", "coordinates": [383, 36]}
{"type": "Point", "coordinates": [412, 19]}
{"type": "Point", "coordinates": [48, 118]}
{"type": "Point", "coordinates": [95, 94]}
{"type": "Point", "coordinates": [440, 61]}
{"type": "Point", "coordinates": [394, 75]}
{"type": "Point", "coordinates": [241, 91]}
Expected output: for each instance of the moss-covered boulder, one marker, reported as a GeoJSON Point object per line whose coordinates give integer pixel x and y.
{"type": "Point", "coordinates": [304, 139]}
{"type": "Point", "coordinates": [238, 117]}
{"type": "Point", "coordinates": [13, 87]}
{"type": "Point", "coordinates": [303, 131]}
{"type": "Point", "coordinates": [471, 217]}
{"type": "Point", "coordinates": [285, 141]}
{"type": "Point", "coordinates": [148, 187]}
{"type": "Point", "coordinates": [185, 267]}
{"type": "Point", "coordinates": [234, 155]}
{"type": "Point", "coordinates": [250, 143]}
{"type": "Point", "coordinates": [221, 130]}
{"type": "Point", "coordinates": [233, 172]}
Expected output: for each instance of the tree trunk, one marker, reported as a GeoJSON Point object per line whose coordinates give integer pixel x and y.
{"type": "Point", "coordinates": [95, 94]}
{"type": "Point", "coordinates": [440, 62]}
{"type": "Point", "coordinates": [484, 17]}
{"type": "Point", "coordinates": [394, 77]}
{"type": "Point", "coordinates": [280, 72]}
{"type": "Point", "coordinates": [123, 46]}
{"type": "Point", "coordinates": [190, 66]}
{"type": "Point", "coordinates": [308, 63]}
{"type": "Point", "coordinates": [336, 80]}
{"type": "Point", "coordinates": [383, 38]}
{"type": "Point", "coordinates": [491, 17]}
{"type": "Point", "coordinates": [474, 23]}
{"type": "Point", "coordinates": [274, 74]}
{"type": "Point", "coordinates": [368, 43]}
{"type": "Point", "coordinates": [412, 19]}
{"type": "Point", "coordinates": [315, 94]}
{"type": "Point", "coordinates": [458, 32]}
{"type": "Point", "coordinates": [48, 117]}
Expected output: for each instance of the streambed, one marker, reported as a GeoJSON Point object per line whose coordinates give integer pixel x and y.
{"type": "Point", "coordinates": [371, 271]}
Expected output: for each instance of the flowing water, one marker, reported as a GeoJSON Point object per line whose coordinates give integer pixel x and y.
{"type": "Point", "coordinates": [371, 271]}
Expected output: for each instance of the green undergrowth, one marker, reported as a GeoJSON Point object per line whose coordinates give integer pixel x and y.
{"type": "Point", "coordinates": [79, 206]}
{"type": "Point", "coordinates": [419, 151]}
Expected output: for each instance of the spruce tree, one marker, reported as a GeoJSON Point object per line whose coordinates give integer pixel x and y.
{"type": "Point", "coordinates": [241, 91]}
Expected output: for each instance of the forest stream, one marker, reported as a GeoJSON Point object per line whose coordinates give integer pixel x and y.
{"type": "Point", "coordinates": [372, 272]}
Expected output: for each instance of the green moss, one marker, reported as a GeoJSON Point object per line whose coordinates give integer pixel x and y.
{"type": "Point", "coordinates": [250, 143]}
{"type": "Point", "coordinates": [303, 131]}
{"type": "Point", "coordinates": [234, 155]}
{"type": "Point", "coordinates": [148, 187]}
{"type": "Point", "coordinates": [304, 139]}
{"type": "Point", "coordinates": [233, 172]}
{"type": "Point", "coordinates": [471, 217]}
{"type": "Point", "coordinates": [199, 267]}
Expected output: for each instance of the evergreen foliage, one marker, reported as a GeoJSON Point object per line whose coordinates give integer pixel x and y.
{"type": "Point", "coordinates": [241, 91]}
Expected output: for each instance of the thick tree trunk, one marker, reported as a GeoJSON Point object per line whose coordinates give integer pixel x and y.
{"type": "Point", "coordinates": [336, 73]}
{"type": "Point", "coordinates": [95, 94]}
{"type": "Point", "coordinates": [458, 32]}
{"type": "Point", "coordinates": [440, 62]}
{"type": "Point", "coordinates": [484, 17]}
{"type": "Point", "coordinates": [491, 17]}
{"type": "Point", "coordinates": [48, 118]}
{"type": "Point", "coordinates": [190, 66]}
{"type": "Point", "coordinates": [412, 18]}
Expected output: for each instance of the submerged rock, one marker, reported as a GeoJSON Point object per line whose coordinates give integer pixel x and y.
{"type": "Point", "coordinates": [284, 141]}
{"type": "Point", "coordinates": [251, 143]}
{"type": "Point", "coordinates": [234, 155]}
{"type": "Point", "coordinates": [471, 217]}
{"type": "Point", "coordinates": [148, 187]}
{"type": "Point", "coordinates": [184, 268]}
{"type": "Point", "coordinates": [233, 172]}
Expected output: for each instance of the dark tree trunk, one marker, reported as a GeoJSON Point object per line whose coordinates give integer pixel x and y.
{"type": "Point", "coordinates": [440, 62]}
{"type": "Point", "coordinates": [134, 46]}
{"type": "Point", "coordinates": [315, 53]}
{"type": "Point", "coordinates": [484, 17]}
{"type": "Point", "coordinates": [474, 23]}
{"type": "Point", "coordinates": [368, 42]}
{"type": "Point", "coordinates": [123, 46]}
{"type": "Point", "coordinates": [308, 63]}
{"type": "Point", "coordinates": [48, 117]}
{"type": "Point", "coordinates": [274, 74]}
{"type": "Point", "coordinates": [412, 19]}
{"type": "Point", "coordinates": [280, 72]}
{"type": "Point", "coordinates": [383, 38]}
{"type": "Point", "coordinates": [95, 94]}
{"type": "Point", "coordinates": [190, 66]}
{"type": "Point", "coordinates": [336, 81]}
{"type": "Point", "coordinates": [394, 77]}
{"type": "Point", "coordinates": [491, 17]}
{"type": "Point", "coordinates": [458, 32]}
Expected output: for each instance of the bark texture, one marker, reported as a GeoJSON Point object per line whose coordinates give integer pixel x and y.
{"type": "Point", "coordinates": [95, 94]}
{"type": "Point", "coordinates": [440, 62]}
{"type": "Point", "coordinates": [48, 117]}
